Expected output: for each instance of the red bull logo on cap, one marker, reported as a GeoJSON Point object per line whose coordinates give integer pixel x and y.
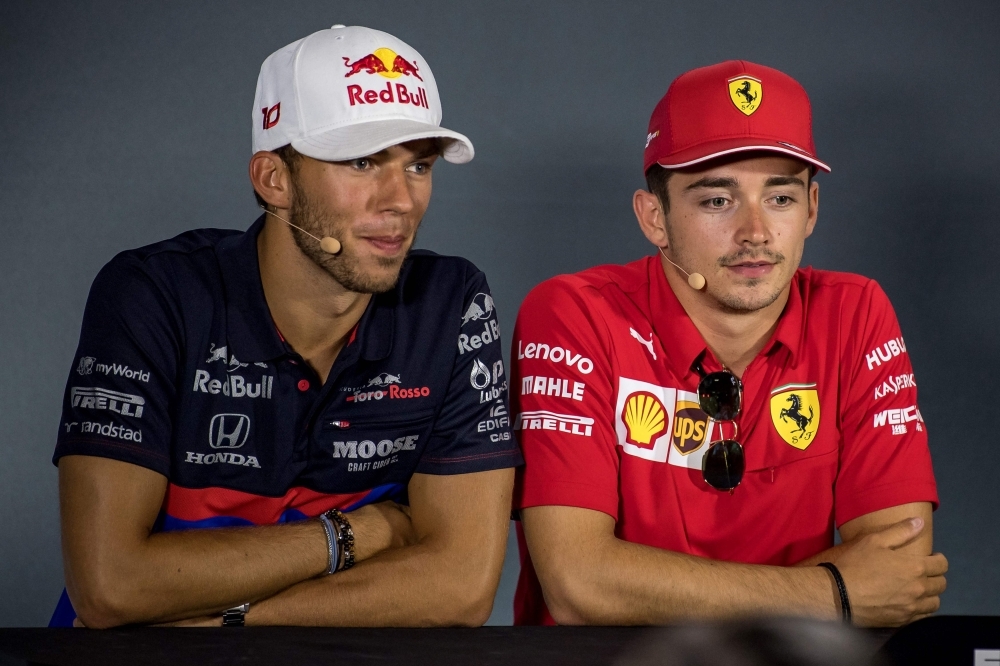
{"type": "Point", "coordinates": [388, 64]}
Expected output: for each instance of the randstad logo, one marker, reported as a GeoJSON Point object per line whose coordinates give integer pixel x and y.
{"type": "Point", "coordinates": [386, 63]}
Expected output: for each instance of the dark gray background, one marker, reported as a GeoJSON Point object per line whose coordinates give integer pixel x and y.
{"type": "Point", "coordinates": [123, 123]}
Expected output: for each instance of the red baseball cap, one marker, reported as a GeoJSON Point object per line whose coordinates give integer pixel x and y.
{"type": "Point", "coordinates": [731, 107]}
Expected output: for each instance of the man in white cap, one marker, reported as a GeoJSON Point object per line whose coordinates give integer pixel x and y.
{"type": "Point", "coordinates": [250, 415]}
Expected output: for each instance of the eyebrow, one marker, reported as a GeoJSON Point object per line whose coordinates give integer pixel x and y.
{"type": "Point", "coordinates": [707, 182]}
{"type": "Point", "coordinates": [784, 180]}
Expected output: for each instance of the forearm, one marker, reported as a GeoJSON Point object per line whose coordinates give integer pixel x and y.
{"type": "Point", "coordinates": [169, 576]}
{"type": "Point", "coordinates": [626, 583]}
{"type": "Point", "coordinates": [414, 586]}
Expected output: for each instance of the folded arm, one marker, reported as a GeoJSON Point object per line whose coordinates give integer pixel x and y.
{"type": "Point", "coordinates": [448, 577]}
{"type": "Point", "coordinates": [119, 572]}
{"type": "Point", "coordinates": [589, 576]}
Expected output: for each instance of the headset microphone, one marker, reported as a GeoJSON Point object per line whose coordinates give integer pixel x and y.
{"type": "Point", "coordinates": [328, 244]}
{"type": "Point", "coordinates": [695, 280]}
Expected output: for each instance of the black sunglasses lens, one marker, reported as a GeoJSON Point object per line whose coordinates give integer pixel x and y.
{"type": "Point", "coordinates": [719, 395]}
{"type": "Point", "coordinates": [722, 466]}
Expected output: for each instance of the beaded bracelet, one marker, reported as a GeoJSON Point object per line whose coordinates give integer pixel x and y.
{"type": "Point", "coordinates": [333, 550]}
{"type": "Point", "coordinates": [345, 538]}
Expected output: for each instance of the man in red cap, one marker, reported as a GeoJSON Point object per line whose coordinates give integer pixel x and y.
{"type": "Point", "coordinates": [697, 424]}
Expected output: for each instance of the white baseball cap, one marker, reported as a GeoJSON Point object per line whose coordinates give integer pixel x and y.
{"type": "Point", "coordinates": [348, 92]}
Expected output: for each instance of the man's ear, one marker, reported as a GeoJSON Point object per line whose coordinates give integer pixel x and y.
{"type": "Point", "coordinates": [650, 216]}
{"type": "Point", "coordinates": [813, 208]}
{"type": "Point", "coordinates": [270, 178]}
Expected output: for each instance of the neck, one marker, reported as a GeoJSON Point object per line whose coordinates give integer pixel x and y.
{"type": "Point", "coordinates": [735, 337]}
{"type": "Point", "coordinates": [313, 311]}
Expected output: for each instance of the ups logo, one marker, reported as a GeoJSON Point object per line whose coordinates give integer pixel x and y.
{"type": "Point", "coordinates": [690, 424]}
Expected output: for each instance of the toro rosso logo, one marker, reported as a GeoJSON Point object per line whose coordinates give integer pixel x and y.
{"type": "Point", "coordinates": [387, 64]}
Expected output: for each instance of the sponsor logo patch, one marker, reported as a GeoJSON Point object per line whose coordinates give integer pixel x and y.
{"type": "Point", "coordinates": [545, 420]}
{"type": "Point", "coordinates": [112, 401]}
{"type": "Point", "coordinates": [554, 386]}
{"type": "Point", "coordinates": [898, 418]}
{"type": "Point", "coordinates": [228, 431]}
{"type": "Point", "coordinates": [660, 424]}
{"type": "Point", "coordinates": [556, 355]}
{"type": "Point", "coordinates": [885, 353]}
{"type": "Point", "coordinates": [107, 430]}
{"type": "Point", "coordinates": [89, 364]}
{"type": "Point", "coordinates": [795, 413]}
{"type": "Point", "coordinates": [489, 334]}
{"type": "Point", "coordinates": [481, 307]}
{"type": "Point", "coordinates": [893, 385]}
{"type": "Point", "coordinates": [234, 386]}
{"type": "Point", "coordinates": [222, 457]}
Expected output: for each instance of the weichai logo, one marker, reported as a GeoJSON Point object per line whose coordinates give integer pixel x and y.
{"type": "Point", "coordinates": [392, 392]}
{"type": "Point", "coordinates": [390, 65]}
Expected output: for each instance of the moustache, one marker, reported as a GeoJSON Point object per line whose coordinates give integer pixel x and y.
{"type": "Point", "coordinates": [751, 254]}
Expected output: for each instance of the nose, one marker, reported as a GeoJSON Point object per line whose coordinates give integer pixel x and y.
{"type": "Point", "coordinates": [753, 229]}
{"type": "Point", "coordinates": [394, 191]}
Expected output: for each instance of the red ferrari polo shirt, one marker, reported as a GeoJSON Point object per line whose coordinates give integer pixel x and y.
{"type": "Point", "coordinates": [604, 392]}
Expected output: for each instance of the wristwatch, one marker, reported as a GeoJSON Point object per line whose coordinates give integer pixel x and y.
{"type": "Point", "coordinates": [236, 616]}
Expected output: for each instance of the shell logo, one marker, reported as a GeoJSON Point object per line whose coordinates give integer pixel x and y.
{"type": "Point", "coordinates": [644, 417]}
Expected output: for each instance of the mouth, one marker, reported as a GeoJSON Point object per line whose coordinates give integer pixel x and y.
{"type": "Point", "coordinates": [388, 245]}
{"type": "Point", "coordinates": [752, 269]}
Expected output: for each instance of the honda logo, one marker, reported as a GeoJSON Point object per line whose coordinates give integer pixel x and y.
{"type": "Point", "coordinates": [228, 431]}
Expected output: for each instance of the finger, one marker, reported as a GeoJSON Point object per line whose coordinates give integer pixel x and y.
{"type": "Point", "coordinates": [920, 617]}
{"type": "Point", "coordinates": [928, 605]}
{"type": "Point", "coordinates": [78, 623]}
{"type": "Point", "coordinates": [935, 565]}
{"type": "Point", "coordinates": [899, 534]}
{"type": "Point", "coordinates": [935, 586]}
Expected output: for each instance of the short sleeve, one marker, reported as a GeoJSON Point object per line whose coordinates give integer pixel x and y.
{"type": "Point", "coordinates": [885, 459]}
{"type": "Point", "coordinates": [563, 397]}
{"type": "Point", "coordinates": [120, 388]}
{"type": "Point", "coordinates": [472, 430]}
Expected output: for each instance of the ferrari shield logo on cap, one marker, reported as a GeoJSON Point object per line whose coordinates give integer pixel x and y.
{"type": "Point", "coordinates": [746, 93]}
{"type": "Point", "coordinates": [795, 413]}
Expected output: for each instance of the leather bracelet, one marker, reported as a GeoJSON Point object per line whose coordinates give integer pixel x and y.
{"type": "Point", "coordinates": [845, 603]}
{"type": "Point", "coordinates": [345, 538]}
{"type": "Point", "coordinates": [333, 550]}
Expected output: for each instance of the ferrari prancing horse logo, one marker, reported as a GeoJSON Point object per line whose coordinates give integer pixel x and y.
{"type": "Point", "coordinates": [795, 413]}
{"type": "Point", "coordinates": [746, 93]}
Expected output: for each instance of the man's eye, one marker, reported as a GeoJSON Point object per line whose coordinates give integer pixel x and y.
{"type": "Point", "coordinates": [361, 164]}
{"type": "Point", "coordinates": [420, 168]}
{"type": "Point", "coordinates": [782, 200]}
{"type": "Point", "coordinates": [717, 202]}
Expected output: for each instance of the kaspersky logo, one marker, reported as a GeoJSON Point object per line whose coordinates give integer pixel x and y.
{"type": "Point", "coordinates": [387, 64]}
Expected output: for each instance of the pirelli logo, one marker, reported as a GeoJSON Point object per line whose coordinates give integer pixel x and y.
{"type": "Point", "coordinates": [86, 397]}
{"type": "Point", "coordinates": [544, 420]}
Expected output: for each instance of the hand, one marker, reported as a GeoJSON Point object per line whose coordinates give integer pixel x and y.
{"type": "Point", "coordinates": [380, 526]}
{"type": "Point", "coordinates": [888, 587]}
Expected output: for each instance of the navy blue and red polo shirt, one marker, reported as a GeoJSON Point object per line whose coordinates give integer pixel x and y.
{"type": "Point", "coordinates": [180, 369]}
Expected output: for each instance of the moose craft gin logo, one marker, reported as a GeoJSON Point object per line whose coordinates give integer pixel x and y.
{"type": "Point", "coordinates": [795, 413]}
{"type": "Point", "coordinates": [746, 93]}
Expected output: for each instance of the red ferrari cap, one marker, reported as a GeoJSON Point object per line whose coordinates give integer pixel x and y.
{"type": "Point", "coordinates": [727, 108]}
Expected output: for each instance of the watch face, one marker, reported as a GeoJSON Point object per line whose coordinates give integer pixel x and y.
{"type": "Point", "coordinates": [235, 617]}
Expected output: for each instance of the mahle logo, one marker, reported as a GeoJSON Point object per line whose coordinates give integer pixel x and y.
{"type": "Point", "coordinates": [645, 419]}
{"type": "Point", "coordinates": [795, 413]}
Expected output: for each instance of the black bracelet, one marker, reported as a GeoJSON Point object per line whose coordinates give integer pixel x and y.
{"type": "Point", "coordinates": [345, 538]}
{"type": "Point", "coordinates": [845, 603]}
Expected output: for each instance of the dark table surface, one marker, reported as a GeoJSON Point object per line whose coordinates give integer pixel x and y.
{"type": "Point", "coordinates": [934, 640]}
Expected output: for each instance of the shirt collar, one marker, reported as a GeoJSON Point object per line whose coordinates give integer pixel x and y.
{"type": "Point", "coordinates": [682, 341]}
{"type": "Point", "coordinates": [251, 331]}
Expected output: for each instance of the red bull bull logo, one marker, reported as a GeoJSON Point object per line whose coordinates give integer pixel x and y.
{"type": "Point", "coordinates": [390, 65]}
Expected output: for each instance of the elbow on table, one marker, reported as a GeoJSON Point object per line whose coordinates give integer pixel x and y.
{"type": "Point", "coordinates": [570, 600]}
{"type": "Point", "coordinates": [104, 606]}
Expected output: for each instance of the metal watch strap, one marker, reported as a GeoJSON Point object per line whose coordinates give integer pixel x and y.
{"type": "Point", "coordinates": [235, 616]}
